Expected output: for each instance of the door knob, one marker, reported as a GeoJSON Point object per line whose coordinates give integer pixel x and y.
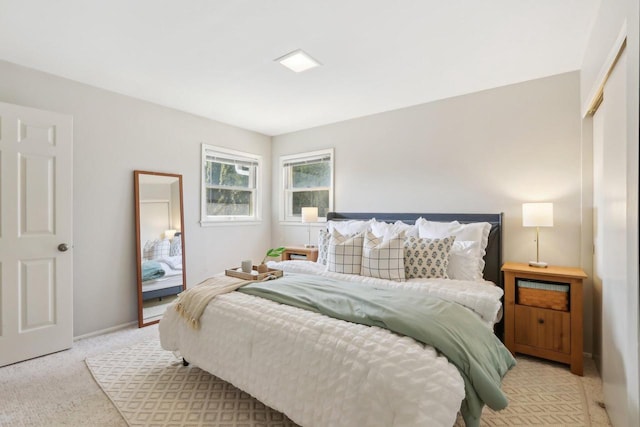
{"type": "Point", "coordinates": [63, 247]}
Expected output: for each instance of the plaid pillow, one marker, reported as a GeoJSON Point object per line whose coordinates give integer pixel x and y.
{"type": "Point", "coordinates": [345, 253]}
{"type": "Point", "coordinates": [427, 258]}
{"type": "Point", "coordinates": [383, 259]}
{"type": "Point", "coordinates": [162, 249]}
{"type": "Point", "coordinates": [147, 252]}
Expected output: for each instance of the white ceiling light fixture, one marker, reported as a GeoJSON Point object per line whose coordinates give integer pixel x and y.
{"type": "Point", "coordinates": [298, 61]}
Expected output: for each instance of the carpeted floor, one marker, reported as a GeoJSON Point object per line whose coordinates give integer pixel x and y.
{"type": "Point", "coordinates": [59, 390]}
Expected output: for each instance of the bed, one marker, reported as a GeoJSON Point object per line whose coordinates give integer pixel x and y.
{"type": "Point", "coordinates": [161, 277]}
{"type": "Point", "coordinates": [323, 371]}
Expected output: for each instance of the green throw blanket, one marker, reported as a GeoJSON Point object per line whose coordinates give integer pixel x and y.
{"type": "Point", "coordinates": [449, 327]}
{"type": "Point", "coordinates": [151, 270]}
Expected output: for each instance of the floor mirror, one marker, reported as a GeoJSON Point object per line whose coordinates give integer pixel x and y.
{"type": "Point", "coordinates": [160, 242]}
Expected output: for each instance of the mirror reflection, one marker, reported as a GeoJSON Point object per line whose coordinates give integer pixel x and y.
{"type": "Point", "coordinates": [159, 242]}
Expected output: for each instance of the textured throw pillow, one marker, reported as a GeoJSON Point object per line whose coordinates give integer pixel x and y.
{"type": "Point", "coordinates": [427, 258]}
{"type": "Point", "coordinates": [161, 249]}
{"type": "Point", "coordinates": [383, 259]}
{"type": "Point", "coordinates": [345, 253]}
{"type": "Point", "coordinates": [176, 246]}
{"type": "Point", "coordinates": [323, 247]}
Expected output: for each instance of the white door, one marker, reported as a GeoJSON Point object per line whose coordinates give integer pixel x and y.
{"type": "Point", "coordinates": [610, 256]}
{"type": "Point", "coordinates": [36, 200]}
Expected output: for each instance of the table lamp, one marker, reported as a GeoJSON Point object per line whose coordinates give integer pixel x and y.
{"type": "Point", "coordinates": [309, 215]}
{"type": "Point", "coordinates": [537, 215]}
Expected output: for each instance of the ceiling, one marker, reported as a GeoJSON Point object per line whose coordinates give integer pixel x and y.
{"type": "Point", "coordinates": [215, 58]}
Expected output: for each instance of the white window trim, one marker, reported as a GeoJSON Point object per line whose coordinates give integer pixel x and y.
{"type": "Point", "coordinates": [208, 220]}
{"type": "Point", "coordinates": [286, 219]}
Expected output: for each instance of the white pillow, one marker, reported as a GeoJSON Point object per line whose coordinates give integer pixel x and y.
{"type": "Point", "coordinates": [463, 261]}
{"type": "Point", "coordinates": [345, 253]}
{"type": "Point", "coordinates": [161, 249]}
{"type": "Point", "coordinates": [427, 258]}
{"type": "Point", "coordinates": [475, 231]}
{"type": "Point", "coordinates": [435, 229]}
{"type": "Point", "coordinates": [351, 226]}
{"type": "Point", "coordinates": [383, 259]}
{"type": "Point", "coordinates": [379, 228]}
{"type": "Point", "coordinates": [388, 231]}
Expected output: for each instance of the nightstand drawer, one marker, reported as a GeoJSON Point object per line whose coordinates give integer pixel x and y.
{"type": "Point", "coordinates": [543, 328]}
{"type": "Point", "coordinates": [535, 293]}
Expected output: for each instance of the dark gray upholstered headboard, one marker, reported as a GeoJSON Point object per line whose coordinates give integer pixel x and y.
{"type": "Point", "coordinates": [493, 257]}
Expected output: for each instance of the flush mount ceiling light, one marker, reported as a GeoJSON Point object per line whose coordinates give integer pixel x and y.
{"type": "Point", "coordinates": [298, 61]}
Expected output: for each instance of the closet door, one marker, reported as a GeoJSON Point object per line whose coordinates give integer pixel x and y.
{"type": "Point", "coordinates": [610, 240]}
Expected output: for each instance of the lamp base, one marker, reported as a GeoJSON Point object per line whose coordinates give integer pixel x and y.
{"type": "Point", "coordinates": [309, 245]}
{"type": "Point", "coordinates": [538, 264]}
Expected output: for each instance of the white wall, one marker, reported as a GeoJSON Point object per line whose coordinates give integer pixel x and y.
{"type": "Point", "coordinates": [618, 18]}
{"type": "Point", "coordinates": [485, 152]}
{"type": "Point", "coordinates": [113, 135]}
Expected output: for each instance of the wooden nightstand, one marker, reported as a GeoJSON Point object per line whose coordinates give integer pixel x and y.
{"type": "Point", "coordinates": [300, 253]}
{"type": "Point", "coordinates": [539, 325]}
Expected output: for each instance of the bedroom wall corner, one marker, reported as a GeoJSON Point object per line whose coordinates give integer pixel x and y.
{"type": "Point", "coordinates": [113, 135]}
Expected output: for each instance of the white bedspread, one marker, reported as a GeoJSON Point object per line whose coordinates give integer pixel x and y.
{"type": "Point", "coordinates": [322, 371]}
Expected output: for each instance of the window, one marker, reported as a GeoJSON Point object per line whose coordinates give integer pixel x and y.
{"type": "Point", "coordinates": [230, 185]}
{"type": "Point", "coordinates": [307, 181]}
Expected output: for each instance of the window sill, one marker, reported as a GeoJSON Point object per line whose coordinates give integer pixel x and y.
{"type": "Point", "coordinates": [305, 224]}
{"type": "Point", "coordinates": [229, 222]}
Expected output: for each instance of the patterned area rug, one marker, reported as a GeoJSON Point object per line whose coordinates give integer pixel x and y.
{"type": "Point", "coordinates": [540, 394]}
{"type": "Point", "coordinates": [150, 387]}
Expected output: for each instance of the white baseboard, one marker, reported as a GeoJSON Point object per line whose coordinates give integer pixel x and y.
{"type": "Point", "coordinates": [106, 331]}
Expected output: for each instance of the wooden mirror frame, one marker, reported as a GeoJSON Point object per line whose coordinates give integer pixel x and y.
{"type": "Point", "coordinates": [139, 247]}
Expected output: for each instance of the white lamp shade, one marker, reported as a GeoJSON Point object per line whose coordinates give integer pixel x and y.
{"type": "Point", "coordinates": [537, 214]}
{"type": "Point", "coordinates": [168, 234]}
{"type": "Point", "coordinates": [309, 214]}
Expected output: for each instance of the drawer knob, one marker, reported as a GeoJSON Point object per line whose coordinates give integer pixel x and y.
{"type": "Point", "coordinates": [541, 321]}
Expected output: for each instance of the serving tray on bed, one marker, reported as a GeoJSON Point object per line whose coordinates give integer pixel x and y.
{"type": "Point", "coordinates": [273, 272]}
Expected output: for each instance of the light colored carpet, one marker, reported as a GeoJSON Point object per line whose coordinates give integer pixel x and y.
{"type": "Point", "coordinates": [58, 389]}
{"type": "Point", "coordinates": [151, 387]}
